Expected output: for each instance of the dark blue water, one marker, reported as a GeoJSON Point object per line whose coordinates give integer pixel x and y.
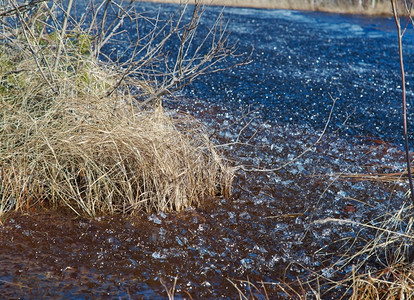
{"type": "Point", "coordinates": [301, 58]}
{"type": "Point", "coordinates": [299, 61]}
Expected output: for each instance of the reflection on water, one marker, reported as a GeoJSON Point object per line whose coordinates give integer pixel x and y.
{"type": "Point", "coordinates": [266, 231]}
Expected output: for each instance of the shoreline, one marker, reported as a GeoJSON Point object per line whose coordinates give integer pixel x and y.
{"type": "Point", "coordinates": [378, 9]}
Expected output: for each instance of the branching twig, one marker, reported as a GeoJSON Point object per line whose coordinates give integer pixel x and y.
{"type": "Point", "coordinates": [29, 35]}
{"type": "Point", "coordinates": [21, 8]}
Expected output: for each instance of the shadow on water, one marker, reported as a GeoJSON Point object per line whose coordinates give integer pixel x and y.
{"type": "Point", "coordinates": [266, 231]}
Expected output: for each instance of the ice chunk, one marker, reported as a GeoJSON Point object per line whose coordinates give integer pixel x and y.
{"type": "Point", "coordinates": [247, 262]}
{"type": "Point", "coordinates": [158, 255]}
{"type": "Point", "coordinates": [154, 219]}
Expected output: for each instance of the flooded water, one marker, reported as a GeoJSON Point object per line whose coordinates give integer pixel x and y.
{"type": "Point", "coordinates": [268, 112]}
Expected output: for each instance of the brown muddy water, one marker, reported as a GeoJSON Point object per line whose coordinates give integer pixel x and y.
{"type": "Point", "coordinates": [265, 233]}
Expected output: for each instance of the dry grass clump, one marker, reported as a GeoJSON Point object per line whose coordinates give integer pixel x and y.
{"type": "Point", "coordinates": [382, 267]}
{"type": "Point", "coordinates": [96, 159]}
{"type": "Point", "coordinates": [395, 282]}
{"type": "Point", "coordinates": [73, 134]}
{"type": "Point", "coordinates": [392, 251]}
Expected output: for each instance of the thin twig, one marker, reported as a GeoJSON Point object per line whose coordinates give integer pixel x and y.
{"type": "Point", "coordinates": [63, 34]}
{"type": "Point", "coordinates": [303, 153]}
{"type": "Point", "coordinates": [379, 229]}
{"type": "Point", "coordinates": [27, 30]}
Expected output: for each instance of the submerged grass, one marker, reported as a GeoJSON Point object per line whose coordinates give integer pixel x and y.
{"type": "Point", "coordinates": [377, 268]}
{"type": "Point", "coordinates": [392, 252]}
{"type": "Point", "coordinates": [73, 134]}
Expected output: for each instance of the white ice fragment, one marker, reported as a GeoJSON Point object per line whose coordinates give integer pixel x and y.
{"type": "Point", "coordinates": [342, 194]}
{"type": "Point", "coordinates": [154, 219]}
{"type": "Point", "coordinates": [326, 232]}
{"type": "Point", "coordinates": [246, 262]}
{"type": "Point", "coordinates": [162, 232]}
{"type": "Point", "coordinates": [258, 200]}
{"type": "Point", "coordinates": [294, 171]}
{"type": "Point", "coordinates": [276, 179]}
{"type": "Point", "coordinates": [306, 260]}
{"type": "Point", "coordinates": [327, 272]}
{"type": "Point", "coordinates": [202, 227]}
{"type": "Point", "coordinates": [278, 149]}
{"type": "Point", "coordinates": [275, 259]}
{"type": "Point", "coordinates": [228, 135]}
{"type": "Point", "coordinates": [158, 255]}
{"type": "Point", "coordinates": [258, 248]}
{"type": "Point", "coordinates": [245, 215]}
{"type": "Point", "coordinates": [179, 241]}
{"type": "Point", "coordinates": [280, 227]}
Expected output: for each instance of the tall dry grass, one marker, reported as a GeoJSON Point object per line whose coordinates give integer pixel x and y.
{"type": "Point", "coordinates": [73, 133]}
{"type": "Point", "coordinates": [377, 261]}
{"type": "Point", "coordinates": [372, 7]}
{"type": "Point", "coordinates": [382, 267]}
{"type": "Point", "coordinates": [95, 159]}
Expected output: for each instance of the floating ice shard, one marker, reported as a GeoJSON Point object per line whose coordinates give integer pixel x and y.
{"type": "Point", "coordinates": [154, 219]}
{"type": "Point", "coordinates": [247, 263]}
{"type": "Point", "coordinates": [158, 255]}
